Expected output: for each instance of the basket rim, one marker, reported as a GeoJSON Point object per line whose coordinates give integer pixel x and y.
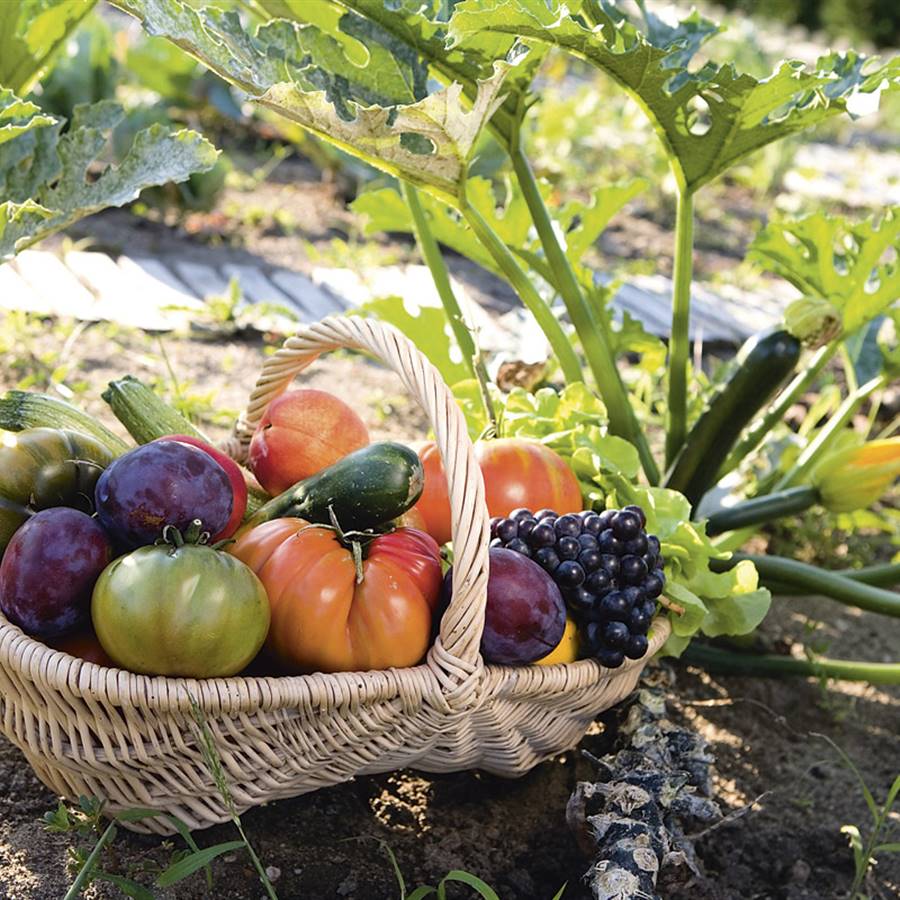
{"type": "Point", "coordinates": [82, 678]}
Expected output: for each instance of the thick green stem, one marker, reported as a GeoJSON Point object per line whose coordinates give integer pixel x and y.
{"type": "Point", "coordinates": [591, 332]}
{"type": "Point", "coordinates": [762, 509]}
{"type": "Point", "coordinates": [715, 659]}
{"type": "Point", "coordinates": [84, 876]}
{"type": "Point", "coordinates": [886, 575]}
{"type": "Point", "coordinates": [775, 414]}
{"type": "Point", "coordinates": [813, 580]}
{"type": "Point", "coordinates": [431, 253]}
{"type": "Point", "coordinates": [679, 343]}
{"type": "Point", "coordinates": [819, 445]}
{"type": "Point", "coordinates": [506, 262]}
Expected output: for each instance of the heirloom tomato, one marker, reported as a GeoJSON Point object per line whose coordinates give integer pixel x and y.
{"type": "Point", "coordinates": [517, 473]}
{"type": "Point", "coordinates": [328, 615]}
{"type": "Point", "coordinates": [184, 610]}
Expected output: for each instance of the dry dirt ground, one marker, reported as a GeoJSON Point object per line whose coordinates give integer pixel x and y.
{"type": "Point", "coordinates": [511, 833]}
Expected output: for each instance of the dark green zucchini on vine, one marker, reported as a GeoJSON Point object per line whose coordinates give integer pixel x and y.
{"type": "Point", "coordinates": [763, 363]}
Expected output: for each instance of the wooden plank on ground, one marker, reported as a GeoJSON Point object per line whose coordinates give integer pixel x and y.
{"type": "Point", "coordinates": [17, 294]}
{"type": "Point", "coordinates": [203, 280]}
{"type": "Point", "coordinates": [122, 298]}
{"type": "Point", "coordinates": [56, 285]}
{"type": "Point", "coordinates": [255, 286]}
{"type": "Point", "coordinates": [306, 295]}
{"type": "Point", "coordinates": [156, 274]}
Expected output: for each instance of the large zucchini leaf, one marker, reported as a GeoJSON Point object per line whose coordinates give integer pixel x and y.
{"type": "Point", "coordinates": [383, 114]}
{"type": "Point", "coordinates": [707, 119]}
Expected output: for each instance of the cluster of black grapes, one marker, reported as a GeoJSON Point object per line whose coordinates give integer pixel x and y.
{"type": "Point", "coordinates": [608, 568]}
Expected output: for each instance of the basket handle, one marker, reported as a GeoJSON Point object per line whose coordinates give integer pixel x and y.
{"type": "Point", "coordinates": [457, 648]}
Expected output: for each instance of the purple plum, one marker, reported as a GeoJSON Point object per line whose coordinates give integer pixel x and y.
{"type": "Point", "coordinates": [49, 570]}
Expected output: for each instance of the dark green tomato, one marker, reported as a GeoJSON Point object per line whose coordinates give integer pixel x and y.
{"type": "Point", "coordinates": [46, 467]}
{"type": "Point", "coordinates": [190, 611]}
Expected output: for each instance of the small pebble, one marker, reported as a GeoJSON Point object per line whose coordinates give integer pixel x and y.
{"type": "Point", "coordinates": [800, 872]}
{"type": "Point", "coordinates": [229, 857]}
{"type": "Point", "coordinates": [273, 873]}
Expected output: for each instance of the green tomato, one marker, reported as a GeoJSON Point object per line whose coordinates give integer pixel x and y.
{"type": "Point", "coordinates": [188, 611]}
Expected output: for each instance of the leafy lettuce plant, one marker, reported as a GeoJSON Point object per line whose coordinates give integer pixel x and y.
{"type": "Point", "coordinates": [415, 88]}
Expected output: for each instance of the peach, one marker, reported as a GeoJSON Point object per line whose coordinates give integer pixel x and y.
{"type": "Point", "coordinates": [303, 432]}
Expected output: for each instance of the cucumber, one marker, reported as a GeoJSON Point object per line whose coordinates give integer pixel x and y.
{"type": "Point", "coordinates": [364, 489]}
{"type": "Point", "coordinates": [145, 416]}
{"type": "Point", "coordinates": [26, 409]}
{"type": "Point", "coordinates": [764, 362]}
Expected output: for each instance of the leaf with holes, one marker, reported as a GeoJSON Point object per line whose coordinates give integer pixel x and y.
{"type": "Point", "coordinates": [707, 119]}
{"type": "Point", "coordinates": [841, 261]}
{"type": "Point", "coordinates": [415, 34]}
{"type": "Point", "coordinates": [317, 80]}
{"type": "Point", "coordinates": [51, 179]}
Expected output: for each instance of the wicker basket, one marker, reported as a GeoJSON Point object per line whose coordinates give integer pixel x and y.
{"type": "Point", "coordinates": [132, 739]}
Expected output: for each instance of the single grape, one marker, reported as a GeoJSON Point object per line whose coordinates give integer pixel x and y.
{"type": "Point", "coordinates": [543, 535]}
{"type": "Point", "coordinates": [495, 521]}
{"type": "Point", "coordinates": [526, 526]}
{"type": "Point", "coordinates": [654, 583]}
{"type": "Point", "coordinates": [626, 525]}
{"type": "Point", "coordinates": [633, 571]}
{"type": "Point", "coordinates": [568, 548]}
{"type": "Point", "coordinates": [495, 542]}
{"type": "Point", "coordinates": [633, 596]}
{"type": "Point", "coordinates": [637, 546]}
{"type": "Point", "coordinates": [610, 659]}
{"type": "Point", "coordinates": [653, 544]}
{"type": "Point", "coordinates": [569, 574]}
{"type": "Point", "coordinates": [588, 542]}
{"type": "Point", "coordinates": [638, 621]}
{"type": "Point", "coordinates": [609, 543]}
{"type": "Point", "coordinates": [584, 514]}
{"type": "Point", "coordinates": [589, 559]}
{"type": "Point", "coordinates": [637, 646]}
{"type": "Point", "coordinates": [517, 545]}
{"type": "Point", "coordinates": [568, 526]}
{"type": "Point", "coordinates": [638, 512]}
{"type": "Point", "coordinates": [651, 561]}
{"type": "Point", "coordinates": [606, 518]}
{"type": "Point", "coordinates": [507, 530]}
{"type": "Point", "coordinates": [546, 514]}
{"type": "Point", "coordinates": [593, 524]}
{"type": "Point", "coordinates": [593, 637]}
{"type": "Point", "coordinates": [611, 564]}
{"type": "Point", "coordinates": [599, 582]}
{"type": "Point", "coordinates": [649, 608]}
{"type": "Point", "coordinates": [616, 635]}
{"type": "Point", "coordinates": [614, 607]}
{"type": "Point", "coordinates": [518, 515]}
{"type": "Point", "coordinates": [546, 558]}
{"type": "Point", "coordinates": [580, 600]}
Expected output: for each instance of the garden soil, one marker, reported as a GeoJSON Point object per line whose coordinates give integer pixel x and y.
{"type": "Point", "coordinates": [511, 833]}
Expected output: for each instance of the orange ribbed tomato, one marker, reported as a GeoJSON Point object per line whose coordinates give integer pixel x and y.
{"type": "Point", "coordinates": [322, 619]}
{"type": "Point", "coordinates": [516, 473]}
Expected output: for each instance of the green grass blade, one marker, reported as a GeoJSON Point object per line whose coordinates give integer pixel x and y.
{"type": "Point", "coordinates": [867, 794]}
{"type": "Point", "coordinates": [189, 864]}
{"type": "Point", "coordinates": [473, 881]}
{"type": "Point", "coordinates": [560, 892]}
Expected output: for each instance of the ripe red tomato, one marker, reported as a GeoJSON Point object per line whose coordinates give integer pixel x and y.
{"type": "Point", "coordinates": [323, 620]}
{"type": "Point", "coordinates": [516, 473]}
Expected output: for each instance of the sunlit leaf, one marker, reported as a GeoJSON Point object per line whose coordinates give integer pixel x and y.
{"type": "Point", "coordinates": [838, 260]}
{"type": "Point", "coordinates": [31, 31]}
{"type": "Point", "coordinates": [320, 81]}
{"type": "Point", "coordinates": [45, 174]}
{"type": "Point", "coordinates": [708, 118]}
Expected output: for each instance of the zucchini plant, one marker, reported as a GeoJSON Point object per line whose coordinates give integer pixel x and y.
{"type": "Point", "coordinates": [414, 89]}
{"type": "Point", "coordinates": [50, 178]}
